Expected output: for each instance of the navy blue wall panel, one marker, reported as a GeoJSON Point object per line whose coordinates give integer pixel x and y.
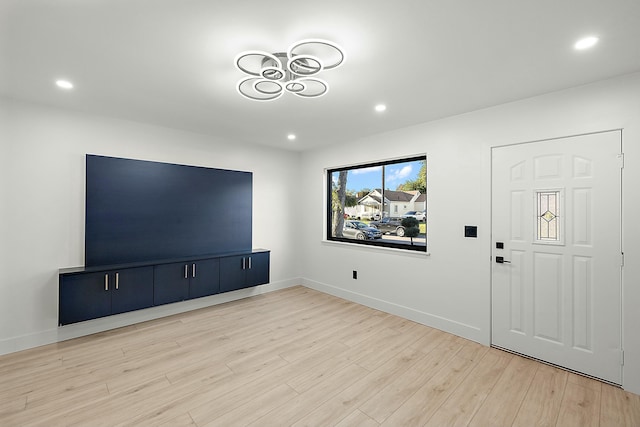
{"type": "Point", "coordinates": [140, 211]}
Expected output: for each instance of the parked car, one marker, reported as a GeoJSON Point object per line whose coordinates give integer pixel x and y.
{"type": "Point", "coordinates": [389, 225]}
{"type": "Point", "coordinates": [368, 215]}
{"type": "Point", "coordinates": [361, 231]}
{"type": "Point", "coordinates": [419, 215]}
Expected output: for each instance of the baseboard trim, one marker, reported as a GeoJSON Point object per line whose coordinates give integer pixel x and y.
{"type": "Point", "coordinates": [463, 330]}
{"type": "Point", "coordinates": [58, 334]}
{"type": "Point", "coordinates": [63, 333]}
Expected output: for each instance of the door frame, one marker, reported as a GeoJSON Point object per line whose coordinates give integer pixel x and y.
{"type": "Point", "coordinates": [622, 242]}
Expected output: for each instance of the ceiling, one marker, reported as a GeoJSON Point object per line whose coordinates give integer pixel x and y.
{"type": "Point", "coordinates": [171, 62]}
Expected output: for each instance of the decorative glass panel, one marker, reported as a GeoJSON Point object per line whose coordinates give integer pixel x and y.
{"type": "Point", "coordinates": [548, 215]}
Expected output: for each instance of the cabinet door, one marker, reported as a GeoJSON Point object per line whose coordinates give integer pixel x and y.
{"type": "Point", "coordinates": [258, 269]}
{"type": "Point", "coordinates": [204, 278]}
{"type": "Point", "coordinates": [171, 283]}
{"type": "Point", "coordinates": [132, 289]}
{"type": "Point", "coordinates": [84, 297]}
{"type": "Point", "coordinates": [232, 273]}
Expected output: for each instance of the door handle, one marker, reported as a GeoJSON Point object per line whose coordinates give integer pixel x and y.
{"type": "Point", "coordinates": [186, 271]}
{"type": "Point", "coordinates": [117, 280]}
{"type": "Point", "coordinates": [501, 260]}
{"type": "Point", "coordinates": [106, 282]}
{"type": "Point", "coordinates": [193, 270]}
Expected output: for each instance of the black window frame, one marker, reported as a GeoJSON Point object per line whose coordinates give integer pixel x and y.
{"type": "Point", "coordinates": [374, 243]}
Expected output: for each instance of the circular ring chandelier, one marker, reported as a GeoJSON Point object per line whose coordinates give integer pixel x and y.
{"type": "Point", "coordinates": [294, 71]}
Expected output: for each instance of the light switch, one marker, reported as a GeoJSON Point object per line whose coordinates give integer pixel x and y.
{"type": "Point", "coordinates": [470, 231]}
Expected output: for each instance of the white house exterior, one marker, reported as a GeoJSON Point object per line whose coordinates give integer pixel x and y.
{"type": "Point", "coordinates": [396, 203]}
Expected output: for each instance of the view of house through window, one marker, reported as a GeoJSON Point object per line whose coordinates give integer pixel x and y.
{"type": "Point", "coordinates": [382, 204]}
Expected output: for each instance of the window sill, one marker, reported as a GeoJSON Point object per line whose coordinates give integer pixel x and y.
{"type": "Point", "coordinates": [393, 251]}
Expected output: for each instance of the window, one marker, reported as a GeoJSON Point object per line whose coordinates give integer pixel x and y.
{"type": "Point", "coordinates": [366, 204]}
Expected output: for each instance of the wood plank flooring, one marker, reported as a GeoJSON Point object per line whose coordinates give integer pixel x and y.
{"type": "Point", "coordinates": [294, 357]}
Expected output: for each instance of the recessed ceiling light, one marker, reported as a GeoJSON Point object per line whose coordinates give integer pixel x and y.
{"type": "Point", "coordinates": [585, 43]}
{"type": "Point", "coordinates": [380, 108]}
{"type": "Point", "coordinates": [64, 84]}
{"type": "Point", "coordinates": [291, 137]}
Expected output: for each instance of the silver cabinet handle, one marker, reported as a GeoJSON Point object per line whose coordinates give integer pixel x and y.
{"type": "Point", "coordinates": [106, 282]}
{"type": "Point", "coordinates": [193, 270]}
{"type": "Point", "coordinates": [243, 263]}
{"type": "Point", "coordinates": [117, 279]}
{"type": "Point", "coordinates": [186, 271]}
{"type": "Point", "coordinates": [249, 263]}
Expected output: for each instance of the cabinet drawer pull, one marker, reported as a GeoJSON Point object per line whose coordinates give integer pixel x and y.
{"type": "Point", "coordinates": [117, 279]}
{"type": "Point", "coordinates": [186, 271]}
{"type": "Point", "coordinates": [193, 270]}
{"type": "Point", "coordinates": [106, 282]}
{"type": "Point", "coordinates": [249, 263]}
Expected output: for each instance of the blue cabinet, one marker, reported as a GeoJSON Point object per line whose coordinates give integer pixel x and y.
{"type": "Point", "coordinates": [85, 296]}
{"type": "Point", "coordinates": [243, 271]}
{"type": "Point", "coordinates": [258, 271]}
{"type": "Point", "coordinates": [205, 278]}
{"type": "Point", "coordinates": [132, 289]}
{"type": "Point", "coordinates": [90, 293]}
{"type": "Point", "coordinates": [171, 283]}
{"type": "Point", "coordinates": [186, 280]}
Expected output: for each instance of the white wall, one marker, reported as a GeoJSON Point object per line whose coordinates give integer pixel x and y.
{"type": "Point", "coordinates": [453, 289]}
{"type": "Point", "coordinates": [42, 208]}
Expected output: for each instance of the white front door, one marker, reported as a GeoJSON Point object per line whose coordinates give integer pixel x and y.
{"type": "Point", "coordinates": [556, 226]}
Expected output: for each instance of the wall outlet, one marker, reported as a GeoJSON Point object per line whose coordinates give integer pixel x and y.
{"type": "Point", "coordinates": [355, 274]}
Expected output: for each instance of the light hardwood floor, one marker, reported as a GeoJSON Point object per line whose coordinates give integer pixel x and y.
{"type": "Point", "coordinates": [295, 357]}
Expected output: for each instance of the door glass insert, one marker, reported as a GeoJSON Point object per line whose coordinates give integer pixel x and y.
{"type": "Point", "coordinates": [548, 216]}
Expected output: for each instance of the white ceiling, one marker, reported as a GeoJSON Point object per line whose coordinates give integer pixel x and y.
{"type": "Point", "coordinates": [171, 62]}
